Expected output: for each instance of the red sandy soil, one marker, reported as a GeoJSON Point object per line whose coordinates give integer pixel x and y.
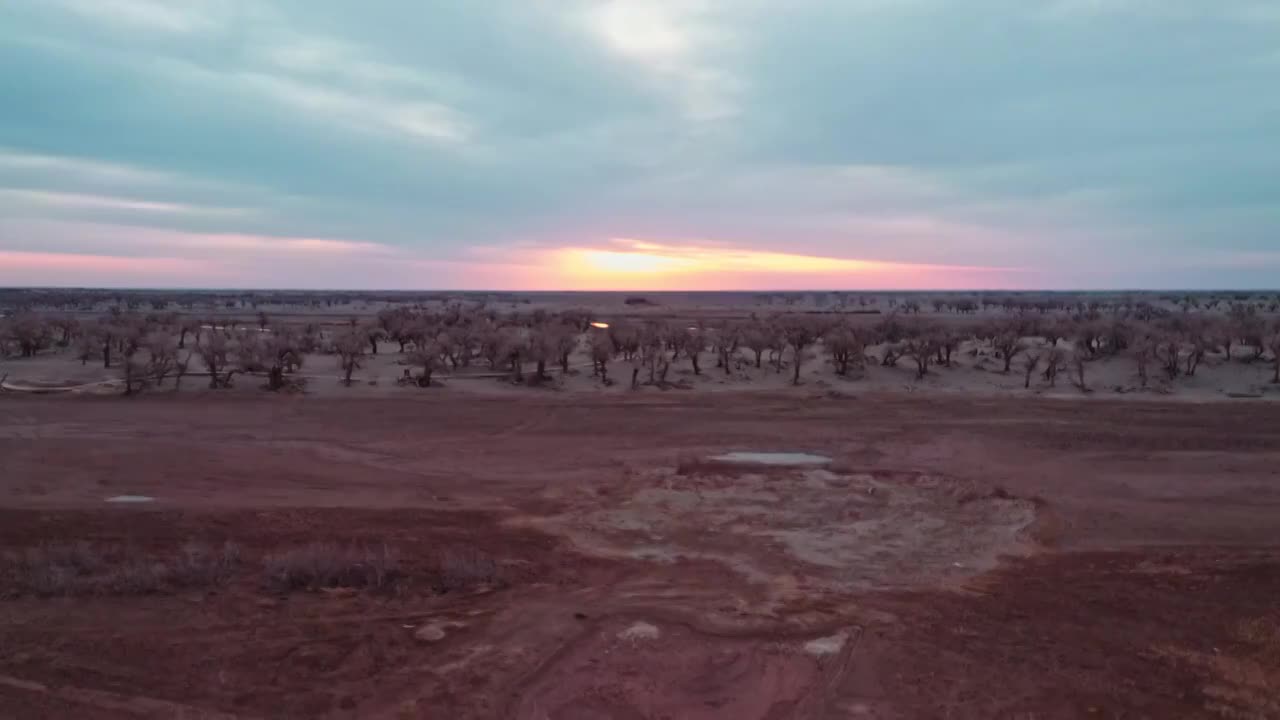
{"type": "Point", "coordinates": [961, 558]}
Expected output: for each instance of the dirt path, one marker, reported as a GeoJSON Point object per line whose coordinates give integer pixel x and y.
{"type": "Point", "coordinates": [960, 557]}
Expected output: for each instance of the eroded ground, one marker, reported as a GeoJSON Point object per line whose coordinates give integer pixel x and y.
{"type": "Point", "coordinates": [586, 558]}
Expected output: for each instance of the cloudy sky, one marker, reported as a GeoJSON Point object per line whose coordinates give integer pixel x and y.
{"type": "Point", "coordinates": [629, 144]}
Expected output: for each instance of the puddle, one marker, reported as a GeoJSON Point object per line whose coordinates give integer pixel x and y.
{"type": "Point", "coordinates": [131, 499]}
{"type": "Point", "coordinates": [773, 458]}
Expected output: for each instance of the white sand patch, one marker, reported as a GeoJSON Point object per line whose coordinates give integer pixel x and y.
{"type": "Point", "coordinates": [829, 645]}
{"type": "Point", "coordinates": [640, 631]}
{"type": "Point", "coordinates": [773, 458]}
{"type": "Point", "coordinates": [131, 499]}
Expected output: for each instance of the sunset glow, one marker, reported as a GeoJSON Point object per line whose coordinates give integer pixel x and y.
{"type": "Point", "coordinates": [639, 264]}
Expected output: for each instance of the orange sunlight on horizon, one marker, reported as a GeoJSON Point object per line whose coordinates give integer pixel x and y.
{"type": "Point", "coordinates": [637, 264]}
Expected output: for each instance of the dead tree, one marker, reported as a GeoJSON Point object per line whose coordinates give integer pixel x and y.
{"type": "Point", "coordinates": [921, 350]}
{"type": "Point", "coordinates": [1052, 361]}
{"type": "Point", "coordinates": [1078, 361]}
{"type": "Point", "coordinates": [349, 347]}
{"type": "Point", "coordinates": [602, 350]}
{"type": "Point", "coordinates": [800, 333]}
{"type": "Point", "coordinates": [1007, 341]}
{"type": "Point", "coordinates": [1143, 353]}
{"type": "Point", "coordinates": [214, 350]}
{"type": "Point", "coordinates": [1274, 343]}
{"type": "Point", "coordinates": [428, 357]}
{"type": "Point", "coordinates": [846, 348]}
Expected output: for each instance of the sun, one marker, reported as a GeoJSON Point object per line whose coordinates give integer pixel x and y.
{"type": "Point", "coordinates": [630, 263]}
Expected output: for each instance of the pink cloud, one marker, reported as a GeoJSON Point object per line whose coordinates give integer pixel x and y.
{"type": "Point", "coordinates": [83, 269]}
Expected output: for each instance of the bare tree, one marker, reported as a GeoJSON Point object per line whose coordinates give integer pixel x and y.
{"type": "Point", "coordinates": [162, 351]}
{"type": "Point", "coordinates": [66, 326]}
{"type": "Point", "coordinates": [800, 332]}
{"type": "Point", "coordinates": [692, 342]}
{"type": "Point", "coordinates": [187, 326]}
{"type": "Point", "coordinates": [1030, 361]}
{"type": "Point", "coordinates": [564, 340]}
{"type": "Point", "coordinates": [1052, 361]}
{"type": "Point", "coordinates": [1143, 352]}
{"type": "Point", "coordinates": [426, 355]}
{"type": "Point", "coordinates": [373, 333]}
{"type": "Point", "coordinates": [921, 349]}
{"type": "Point", "coordinates": [349, 347]}
{"type": "Point", "coordinates": [30, 333]}
{"type": "Point", "coordinates": [1274, 343]}
{"type": "Point", "coordinates": [181, 365]}
{"type": "Point", "coordinates": [86, 347]}
{"type": "Point", "coordinates": [1167, 350]}
{"type": "Point", "coordinates": [1006, 338]}
{"type": "Point", "coordinates": [602, 351]}
{"type": "Point", "coordinates": [846, 348]}
{"type": "Point", "coordinates": [214, 351]}
{"type": "Point", "coordinates": [725, 342]}
{"type": "Point", "coordinates": [1078, 361]}
{"type": "Point", "coordinates": [757, 337]}
{"type": "Point", "coordinates": [541, 349]}
{"type": "Point", "coordinates": [274, 354]}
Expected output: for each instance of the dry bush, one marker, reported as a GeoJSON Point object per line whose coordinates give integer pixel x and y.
{"type": "Point", "coordinates": [463, 568]}
{"type": "Point", "coordinates": [800, 332]}
{"type": "Point", "coordinates": [602, 351]}
{"type": "Point", "coordinates": [349, 347]}
{"type": "Point", "coordinates": [71, 569]}
{"type": "Point", "coordinates": [846, 347]}
{"type": "Point", "coordinates": [320, 565]}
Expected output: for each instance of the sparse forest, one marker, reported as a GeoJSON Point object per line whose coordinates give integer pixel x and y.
{"type": "Point", "coordinates": [149, 341]}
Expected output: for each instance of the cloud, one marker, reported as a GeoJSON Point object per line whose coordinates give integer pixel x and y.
{"type": "Point", "coordinates": [154, 15]}
{"type": "Point", "coordinates": [672, 44]}
{"type": "Point", "coordinates": [79, 201]}
{"type": "Point", "coordinates": [1081, 141]}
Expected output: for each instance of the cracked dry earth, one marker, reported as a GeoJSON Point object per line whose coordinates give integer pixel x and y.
{"type": "Point", "coordinates": [590, 558]}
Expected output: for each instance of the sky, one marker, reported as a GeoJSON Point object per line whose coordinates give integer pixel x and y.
{"type": "Point", "coordinates": [640, 144]}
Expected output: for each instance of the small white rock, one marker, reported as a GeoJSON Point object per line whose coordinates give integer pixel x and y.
{"type": "Point", "coordinates": [829, 645]}
{"type": "Point", "coordinates": [640, 631]}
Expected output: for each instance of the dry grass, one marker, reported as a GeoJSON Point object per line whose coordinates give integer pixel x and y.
{"type": "Point", "coordinates": [320, 565]}
{"type": "Point", "coordinates": [463, 568]}
{"type": "Point", "coordinates": [59, 570]}
{"type": "Point", "coordinates": [81, 569]}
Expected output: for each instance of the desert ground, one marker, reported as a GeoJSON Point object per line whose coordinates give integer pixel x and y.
{"type": "Point", "coordinates": [569, 555]}
{"type": "Point", "coordinates": [759, 507]}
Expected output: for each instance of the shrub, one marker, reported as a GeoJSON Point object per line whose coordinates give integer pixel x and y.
{"type": "Point", "coordinates": [327, 565]}
{"type": "Point", "coordinates": [466, 567]}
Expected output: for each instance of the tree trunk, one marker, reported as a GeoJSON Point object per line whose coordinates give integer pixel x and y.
{"type": "Point", "coordinates": [693, 358]}
{"type": "Point", "coordinates": [799, 355]}
{"type": "Point", "coordinates": [373, 345]}
{"type": "Point", "coordinates": [759, 354]}
{"type": "Point", "coordinates": [182, 339]}
{"type": "Point", "coordinates": [106, 354]}
{"type": "Point", "coordinates": [922, 366]}
{"type": "Point", "coordinates": [635, 378]}
{"type": "Point", "coordinates": [542, 369]}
